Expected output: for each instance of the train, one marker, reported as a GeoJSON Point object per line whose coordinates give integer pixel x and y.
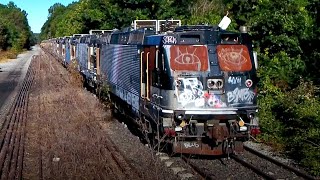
{"type": "Point", "coordinates": [191, 87]}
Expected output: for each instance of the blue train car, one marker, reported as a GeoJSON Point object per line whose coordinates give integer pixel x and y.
{"type": "Point", "coordinates": [194, 88]}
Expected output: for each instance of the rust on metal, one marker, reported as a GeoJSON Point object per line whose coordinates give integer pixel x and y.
{"type": "Point", "coordinates": [189, 58]}
{"type": "Point", "coordinates": [198, 147]}
{"type": "Point", "coordinates": [218, 133]}
{"type": "Point", "coordinates": [234, 58]}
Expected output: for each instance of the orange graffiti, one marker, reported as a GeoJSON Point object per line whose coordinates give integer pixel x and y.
{"type": "Point", "coordinates": [234, 58]}
{"type": "Point", "coordinates": [189, 58]}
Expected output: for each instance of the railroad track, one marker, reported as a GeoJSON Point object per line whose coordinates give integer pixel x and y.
{"type": "Point", "coordinates": [259, 164]}
{"type": "Point", "coordinates": [13, 132]}
{"type": "Point", "coordinates": [268, 167]}
{"type": "Point", "coordinates": [196, 169]}
{"type": "Point", "coordinates": [123, 164]}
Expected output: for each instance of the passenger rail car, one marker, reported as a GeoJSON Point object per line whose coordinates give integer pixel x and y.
{"type": "Point", "coordinates": [194, 88]}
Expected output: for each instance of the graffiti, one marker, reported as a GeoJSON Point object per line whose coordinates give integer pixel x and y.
{"type": "Point", "coordinates": [120, 93]}
{"type": "Point", "coordinates": [234, 80]}
{"type": "Point", "coordinates": [214, 101]}
{"type": "Point", "coordinates": [129, 98]}
{"type": "Point", "coordinates": [169, 40]}
{"type": "Point", "coordinates": [189, 90]}
{"type": "Point", "coordinates": [238, 96]}
{"type": "Point", "coordinates": [135, 101]}
{"type": "Point", "coordinates": [189, 58]}
{"type": "Point", "coordinates": [191, 145]}
{"type": "Point", "coordinates": [199, 102]}
{"type": "Point", "coordinates": [234, 58]}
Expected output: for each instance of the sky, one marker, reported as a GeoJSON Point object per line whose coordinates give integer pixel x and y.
{"type": "Point", "coordinates": [37, 10]}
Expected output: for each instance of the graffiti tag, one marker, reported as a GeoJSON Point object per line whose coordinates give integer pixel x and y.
{"type": "Point", "coordinates": [238, 96]}
{"type": "Point", "coordinates": [189, 90]}
{"type": "Point", "coordinates": [191, 145]}
{"type": "Point", "coordinates": [234, 80]}
{"type": "Point", "coordinates": [169, 40]}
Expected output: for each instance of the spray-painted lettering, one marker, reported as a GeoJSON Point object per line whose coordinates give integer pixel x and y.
{"type": "Point", "coordinates": [189, 90]}
{"type": "Point", "coordinates": [169, 40]}
{"type": "Point", "coordinates": [234, 80]}
{"type": "Point", "coordinates": [191, 144]}
{"type": "Point", "coordinates": [238, 96]}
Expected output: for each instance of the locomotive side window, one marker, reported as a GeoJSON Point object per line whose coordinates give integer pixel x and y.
{"type": "Point", "coordinates": [229, 38]}
{"type": "Point", "coordinates": [165, 76]}
{"type": "Point", "coordinates": [189, 38]}
{"type": "Point", "coordinates": [157, 68]}
{"type": "Point", "coordinates": [158, 73]}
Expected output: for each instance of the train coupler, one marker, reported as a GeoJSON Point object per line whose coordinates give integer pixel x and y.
{"type": "Point", "coordinates": [228, 147]}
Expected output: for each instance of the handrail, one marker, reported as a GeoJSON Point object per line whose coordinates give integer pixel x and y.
{"type": "Point", "coordinates": [141, 67]}
{"type": "Point", "coordinates": [157, 58]}
{"type": "Point", "coordinates": [148, 76]}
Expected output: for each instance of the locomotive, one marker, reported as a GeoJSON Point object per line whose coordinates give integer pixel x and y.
{"type": "Point", "coordinates": [193, 88]}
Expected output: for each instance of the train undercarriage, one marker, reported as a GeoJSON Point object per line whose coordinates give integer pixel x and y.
{"type": "Point", "coordinates": [221, 134]}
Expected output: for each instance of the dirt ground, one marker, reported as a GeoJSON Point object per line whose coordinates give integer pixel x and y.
{"type": "Point", "coordinates": [71, 135]}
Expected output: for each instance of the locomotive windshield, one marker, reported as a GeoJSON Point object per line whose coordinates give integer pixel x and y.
{"type": "Point", "coordinates": [188, 57]}
{"type": "Point", "coordinates": [234, 58]}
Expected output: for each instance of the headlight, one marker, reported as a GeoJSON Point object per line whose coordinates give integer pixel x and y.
{"type": "Point", "coordinates": [215, 83]}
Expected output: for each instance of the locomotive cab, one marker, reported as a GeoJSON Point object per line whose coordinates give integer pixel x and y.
{"type": "Point", "coordinates": [203, 80]}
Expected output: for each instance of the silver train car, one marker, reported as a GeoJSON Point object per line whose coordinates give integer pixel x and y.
{"type": "Point", "coordinates": [193, 88]}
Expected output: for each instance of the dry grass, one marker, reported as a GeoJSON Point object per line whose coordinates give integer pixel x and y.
{"type": "Point", "coordinates": [65, 139]}
{"type": "Point", "coordinates": [6, 56]}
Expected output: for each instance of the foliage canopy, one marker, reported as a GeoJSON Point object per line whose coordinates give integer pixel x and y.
{"type": "Point", "coordinates": [15, 31]}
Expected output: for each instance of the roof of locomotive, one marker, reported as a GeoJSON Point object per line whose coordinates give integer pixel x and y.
{"type": "Point", "coordinates": [193, 35]}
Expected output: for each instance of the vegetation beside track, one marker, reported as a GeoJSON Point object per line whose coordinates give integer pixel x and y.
{"type": "Point", "coordinates": [15, 32]}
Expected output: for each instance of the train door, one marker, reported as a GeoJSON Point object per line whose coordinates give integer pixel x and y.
{"type": "Point", "coordinates": [148, 57]}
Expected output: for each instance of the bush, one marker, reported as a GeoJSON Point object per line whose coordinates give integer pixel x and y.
{"type": "Point", "coordinates": [291, 120]}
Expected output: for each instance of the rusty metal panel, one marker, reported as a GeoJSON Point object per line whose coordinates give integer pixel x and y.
{"type": "Point", "coordinates": [189, 58]}
{"type": "Point", "coordinates": [234, 58]}
{"type": "Point", "coordinates": [198, 147]}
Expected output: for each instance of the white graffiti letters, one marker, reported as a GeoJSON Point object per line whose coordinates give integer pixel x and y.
{"type": "Point", "coordinates": [234, 80]}
{"type": "Point", "coordinates": [238, 96]}
{"type": "Point", "coordinates": [191, 145]}
{"type": "Point", "coordinates": [189, 90]}
{"type": "Point", "coordinates": [169, 40]}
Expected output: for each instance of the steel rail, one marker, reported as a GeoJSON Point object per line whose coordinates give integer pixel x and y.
{"type": "Point", "coordinates": [196, 169]}
{"type": "Point", "coordinates": [252, 167]}
{"type": "Point", "coordinates": [292, 169]}
{"type": "Point", "coordinates": [12, 132]}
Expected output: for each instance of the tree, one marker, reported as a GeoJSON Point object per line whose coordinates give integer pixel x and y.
{"type": "Point", "coordinates": [15, 31]}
